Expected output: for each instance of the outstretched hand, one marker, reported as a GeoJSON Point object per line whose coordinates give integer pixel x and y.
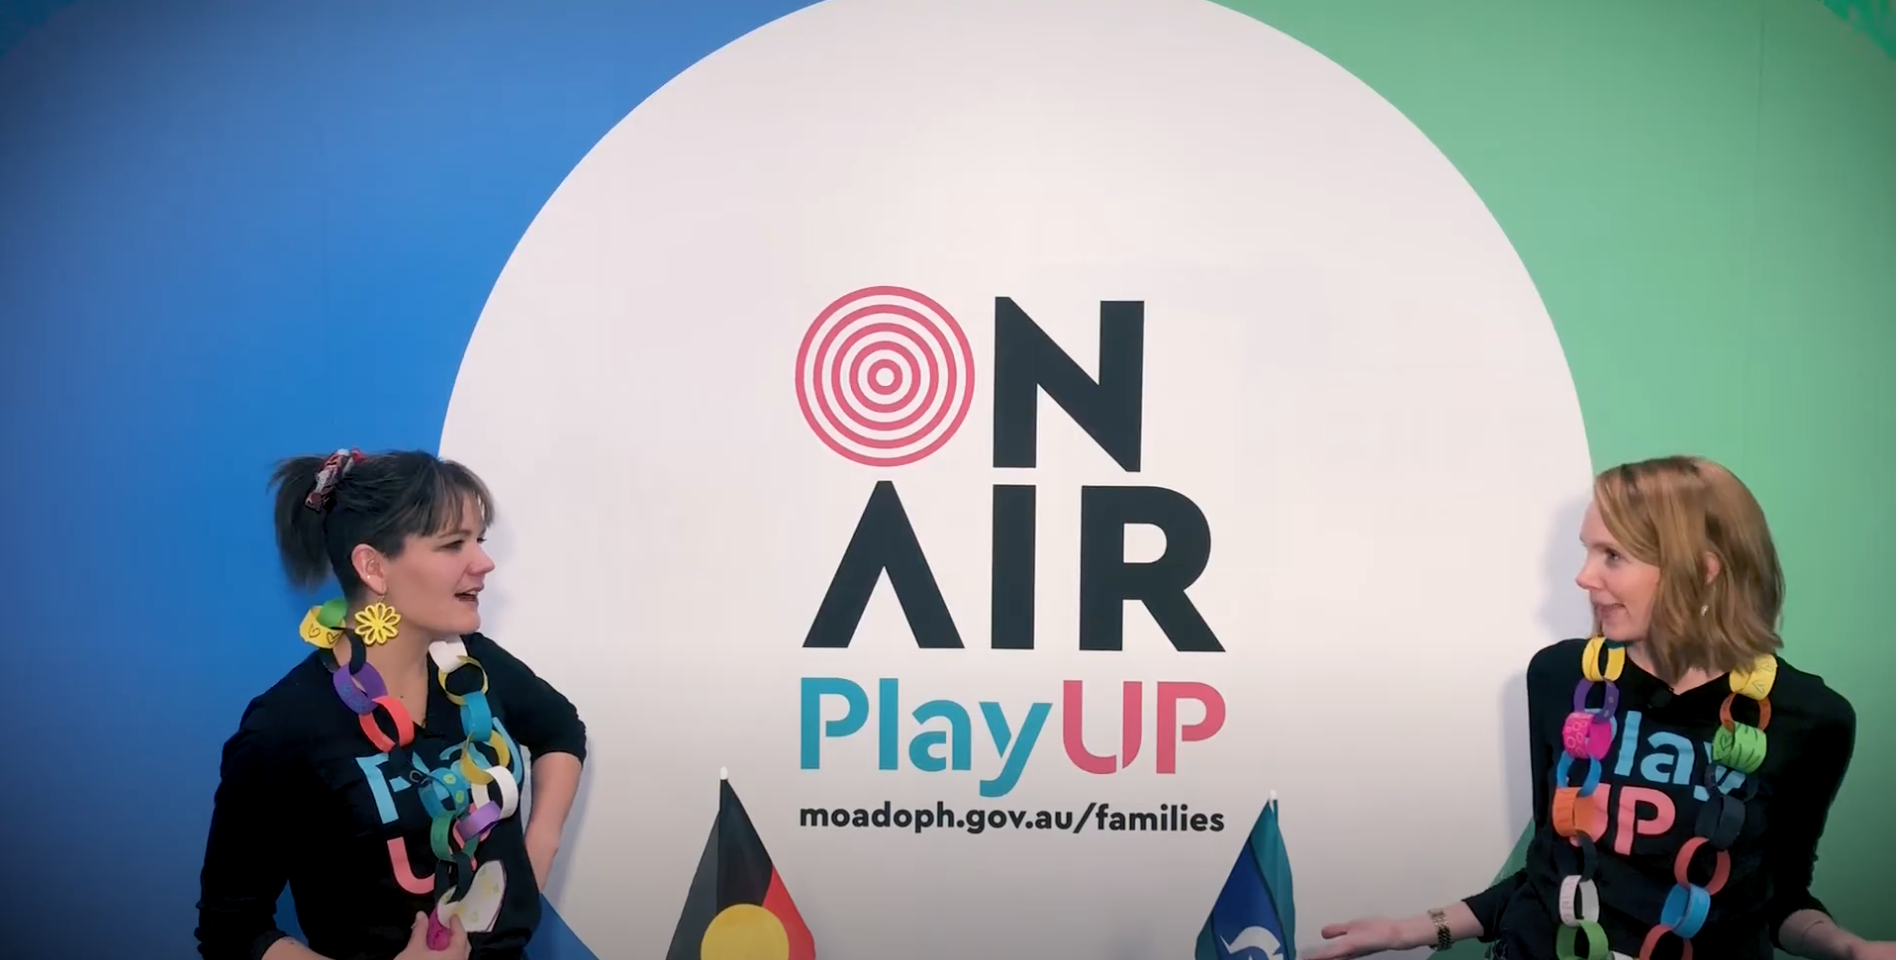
{"type": "Point", "coordinates": [1358, 938]}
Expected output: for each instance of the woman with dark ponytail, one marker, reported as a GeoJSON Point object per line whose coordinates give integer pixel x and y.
{"type": "Point", "coordinates": [380, 778]}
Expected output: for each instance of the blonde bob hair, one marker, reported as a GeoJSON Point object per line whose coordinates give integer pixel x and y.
{"type": "Point", "coordinates": [1719, 593]}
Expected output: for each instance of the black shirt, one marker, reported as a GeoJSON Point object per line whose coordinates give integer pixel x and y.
{"type": "Point", "coordinates": [1655, 773]}
{"type": "Point", "coordinates": [306, 799]}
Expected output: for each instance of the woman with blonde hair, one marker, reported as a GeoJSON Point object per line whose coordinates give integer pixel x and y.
{"type": "Point", "coordinates": [1681, 771]}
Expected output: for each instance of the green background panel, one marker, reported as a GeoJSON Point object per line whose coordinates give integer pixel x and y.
{"type": "Point", "coordinates": [1703, 193]}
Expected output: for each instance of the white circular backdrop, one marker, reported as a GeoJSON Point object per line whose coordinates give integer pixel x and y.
{"type": "Point", "coordinates": [1346, 368]}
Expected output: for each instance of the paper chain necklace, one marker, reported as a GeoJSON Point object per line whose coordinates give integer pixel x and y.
{"type": "Point", "coordinates": [1581, 813]}
{"type": "Point", "coordinates": [457, 794]}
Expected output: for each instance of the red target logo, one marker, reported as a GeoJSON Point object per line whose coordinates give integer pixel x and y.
{"type": "Point", "coordinates": [885, 376]}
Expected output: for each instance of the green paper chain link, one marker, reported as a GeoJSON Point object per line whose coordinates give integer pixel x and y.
{"type": "Point", "coordinates": [332, 611]}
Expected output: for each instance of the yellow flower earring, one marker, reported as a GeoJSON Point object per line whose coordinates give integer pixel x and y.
{"type": "Point", "coordinates": [377, 622]}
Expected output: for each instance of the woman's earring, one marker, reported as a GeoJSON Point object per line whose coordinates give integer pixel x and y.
{"type": "Point", "coordinates": [1705, 611]}
{"type": "Point", "coordinates": [377, 623]}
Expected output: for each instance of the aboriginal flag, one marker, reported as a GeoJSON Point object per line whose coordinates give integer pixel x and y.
{"type": "Point", "coordinates": [737, 907]}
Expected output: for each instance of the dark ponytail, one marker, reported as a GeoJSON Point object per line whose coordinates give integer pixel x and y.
{"type": "Point", "coordinates": [300, 540]}
{"type": "Point", "coordinates": [379, 500]}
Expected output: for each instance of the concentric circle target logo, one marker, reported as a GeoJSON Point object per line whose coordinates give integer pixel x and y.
{"type": "Point", "coordinates": [885, 376]}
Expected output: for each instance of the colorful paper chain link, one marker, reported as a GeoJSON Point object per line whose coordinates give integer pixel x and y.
{"type": "Point", "coordinates": [456, 795]}
{"type": "Point", "coordinates": [1581, 813]}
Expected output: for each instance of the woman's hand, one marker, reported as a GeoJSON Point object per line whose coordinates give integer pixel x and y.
{"type": "Point", "coordinates": [1813, 934]}
{"type": "Point", "coordinates": [1359, 938]}
{"type": "Point", "coordinates": [1865, 950]}
{"type": "Point", "coordinates": [418, 946]}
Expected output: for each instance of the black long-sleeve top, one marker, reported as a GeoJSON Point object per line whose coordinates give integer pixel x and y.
{"type": "Point", "coordinates": [1655, 774]}
{"type": "Point", "coordinates": [305, 799]}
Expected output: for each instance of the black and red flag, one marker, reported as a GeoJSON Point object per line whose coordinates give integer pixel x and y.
{"type": "Point", "coordinates": [737, 907]}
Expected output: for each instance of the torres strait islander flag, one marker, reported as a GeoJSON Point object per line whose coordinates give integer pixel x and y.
{"type": "Point", "coordinates": [737, 907]}
{"type": "Point", "coordinates": [1252, 918]}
